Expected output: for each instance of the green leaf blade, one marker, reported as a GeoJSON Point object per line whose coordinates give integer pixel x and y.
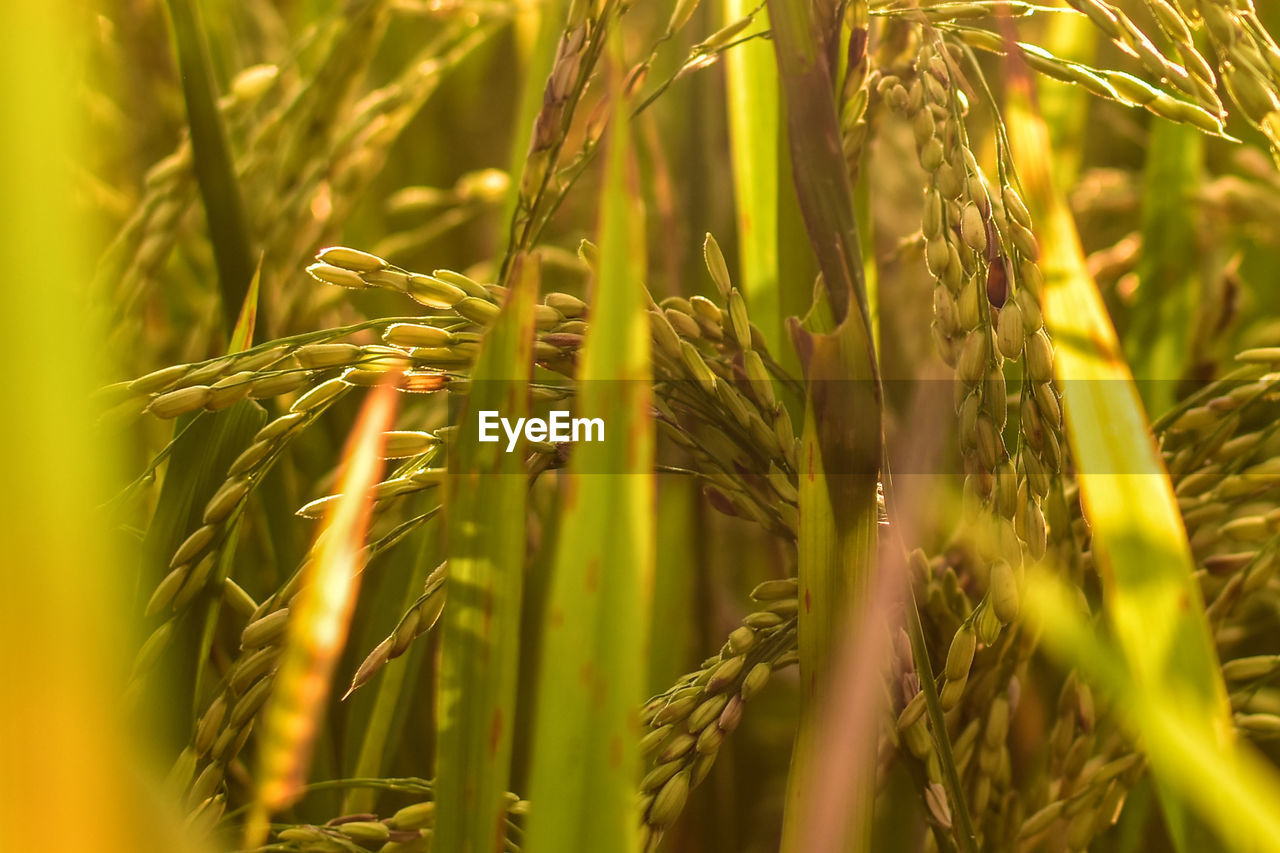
{"type": "Point", "coordinates": [1152, 600]}
{"type": "Point", "coordinates": [485, 505]}
{"type": "Point", "coordinates": [214, 166]}
{"type": "Point", "coordinates": [594, 667]}
{"type": "Point", "coordinates": [752, 95]}
{"type": "Point", "coordinates": [1159, 343]}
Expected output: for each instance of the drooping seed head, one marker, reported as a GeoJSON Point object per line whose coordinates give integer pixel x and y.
{"type": "Point", "coordinates": [1039, 357]}
{"type": "Point", "coordinates": [416, 335]}
{"type": "Point", "coordinates": [716, 265]}
{"type": "Point", "coordinates": [318, 396]}
{"type": "Point", "coordinates": [960, 654]}
{"type": "Point", "coordinates": [350, 259]}
{"type": "Point", "coordinates": [433, 292]}
{"type": "Point", "coordinates": [180, 401]}
{"type": "Point", "coordinates": [342, 277]}
{"type": "Point", "coordinates": [1010, 335]}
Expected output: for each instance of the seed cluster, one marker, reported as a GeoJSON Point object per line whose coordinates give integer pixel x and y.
{"type": "Point", "coordinates": [405, 831]}
{"type": "Point", "coordinates": [1220, 447]}
{"type": "Point", "coordinates": [420, 618]}
{"type": "Point", "coordinates": [687, 724]}
{"type": "Point", "coordinates": [1192, 75]}
{"type": "Point", "coordinates": [1216, 461]}
{"type": "Point", "coordinates": [1248, 58]}
{"type": "Point", "coordinates": [714, 368]}
{"type": "Point", "coordinates": [1204, 111]}
{"type": "Point", "coordinates": [717, 401]}
{"type": "Point", "coordinates": [195, 562]}
{"type": "Point", "coordinates": [980, 248]}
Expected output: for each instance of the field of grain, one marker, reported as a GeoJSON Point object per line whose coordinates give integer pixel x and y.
{"type": "Point", "coordinates": [934, 350]}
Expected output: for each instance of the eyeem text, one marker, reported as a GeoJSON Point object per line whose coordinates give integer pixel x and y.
{"type": "Point", "coordinates": [558, 427]}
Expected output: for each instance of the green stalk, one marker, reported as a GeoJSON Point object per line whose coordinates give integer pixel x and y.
{"type": "Point", "coordinates": [674, 582]}
{"type": "Point", "coordinates": [867, 245]}
{"type": "Point", "coordinates": [1159, 344]}
{"type": "Point", "coordinates": [752, 96]}
{"type": "Point", "coordinates": [485, 503]}
{"type": "Point", "coordinates": [841, 440]}
{"type": "Point", "coordinates": [586, 759]}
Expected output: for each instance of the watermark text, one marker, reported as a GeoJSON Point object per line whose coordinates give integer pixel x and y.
{"type": "Point", "coordinates": [558, 426]}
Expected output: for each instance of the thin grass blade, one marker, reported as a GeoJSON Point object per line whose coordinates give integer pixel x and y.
{"type": "Point", "coordinates": [213, 161]}
{"type": "Point", "coordinates": [1159, 342]}
{"type": "Point", "coordinates": [247, 321]}
{"type": "Point", "coordinates": [393, 700]}
{"type": "Point", "coordinates": [752, 99]}
{"type": "Point", "coordinates": [243, 417]}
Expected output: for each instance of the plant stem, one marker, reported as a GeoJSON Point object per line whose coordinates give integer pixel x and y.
{"type": "Point", "coordinates": [964, 834]}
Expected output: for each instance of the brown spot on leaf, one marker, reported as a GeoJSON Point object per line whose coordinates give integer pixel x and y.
{"type": "Point", "coordinates": [593, 574]}
{"type": "Point", "coordinates": [637, 432]}
{"type": "Point", "coordinates": [569, 492]}
{"type": "Point", "coordinates": [808, 601]}
{"type": "Point", "coordinates": [495, 731]}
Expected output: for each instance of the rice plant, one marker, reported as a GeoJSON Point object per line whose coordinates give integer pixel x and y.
{"type": "Point", "coordinates": [933, 504]}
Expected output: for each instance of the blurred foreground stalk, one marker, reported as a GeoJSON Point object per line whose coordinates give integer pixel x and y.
{"type": "Point", "coordinates": [66, 780]}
